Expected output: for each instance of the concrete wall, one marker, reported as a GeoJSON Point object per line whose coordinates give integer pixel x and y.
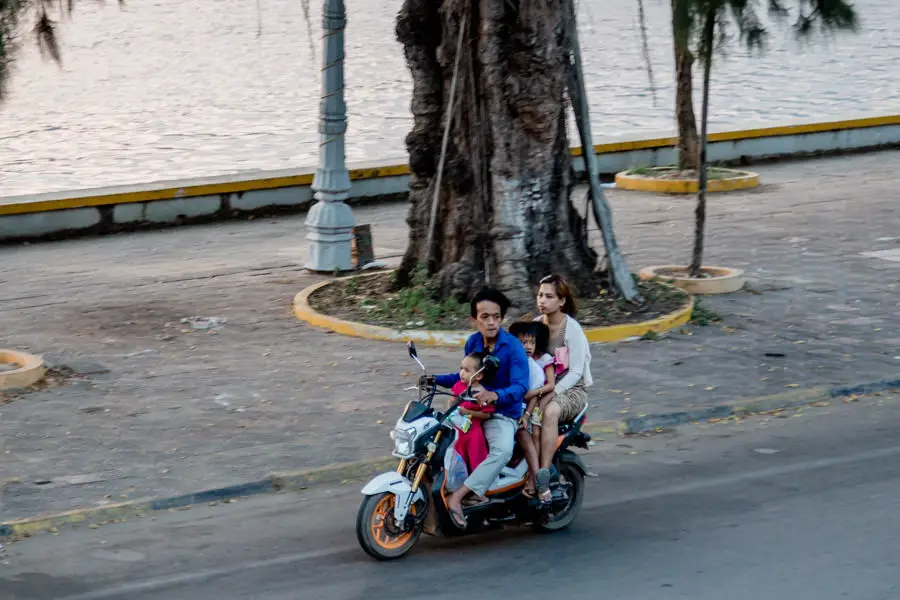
{"type": "Point", "coordinates": [204, 199]}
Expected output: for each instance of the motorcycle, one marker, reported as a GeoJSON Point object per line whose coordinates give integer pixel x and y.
{"type": "Point", "coordinates": [399, 506]}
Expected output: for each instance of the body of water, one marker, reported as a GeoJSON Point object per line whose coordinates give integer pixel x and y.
{"type": "Point", "coordinates": [167, 89]}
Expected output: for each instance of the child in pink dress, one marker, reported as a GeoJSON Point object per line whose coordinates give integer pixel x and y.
{"type": "Point", "coordinates": [471, 444]}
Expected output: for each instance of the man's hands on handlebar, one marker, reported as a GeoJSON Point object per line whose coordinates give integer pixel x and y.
{"type": "Point", "coordinates": [484, 396]}
{"type": "Point", "coordinates": [479, 393]}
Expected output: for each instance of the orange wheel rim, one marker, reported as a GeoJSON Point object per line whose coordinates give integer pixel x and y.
{"type": "Point", "coordinates": [382, 537]}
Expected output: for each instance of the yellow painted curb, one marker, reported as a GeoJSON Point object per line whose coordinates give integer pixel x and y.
{"type": "Point", "coordinates": [748, 134]}
{"type": "Point", "coordinates": [30, 369]}
{"type": "Point", "coordinates": [646, 183]}
{"type": "Point", "coordinates": [611, 333]}
{"type": "Point", "coordinates": [172, 191]}
{"type": "Point", "coordinates": [191, 191]}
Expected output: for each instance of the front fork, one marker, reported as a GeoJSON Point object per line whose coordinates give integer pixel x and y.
{"type": "Point", "coordinates": [403, 506]}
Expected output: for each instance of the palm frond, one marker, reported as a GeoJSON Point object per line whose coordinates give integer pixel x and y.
{"type": "Point", "coordinates": [827, 16]}
{"type": "Point", "coordinates": [13, 13]}
{"type": "Point", "coordinates": [45, 33]}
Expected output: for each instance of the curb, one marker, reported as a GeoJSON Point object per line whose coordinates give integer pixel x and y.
{"type": "Point", "coordinates": [298, 480]}
{"type": "Point", "coordinates": [754, 405]}
{"type": "Point", "coordinates": [611, 333]}
{"type": "Point", "coordinates": [646, 183]}
{"type": "Point", "coordinates": [116, 513]}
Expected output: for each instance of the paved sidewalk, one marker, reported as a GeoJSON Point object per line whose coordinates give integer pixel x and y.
{"type": "Point", "coordinates": [177, 412]}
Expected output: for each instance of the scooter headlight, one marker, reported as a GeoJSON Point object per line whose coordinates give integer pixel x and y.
{"type": "Point", "coordinates": [404, 438]}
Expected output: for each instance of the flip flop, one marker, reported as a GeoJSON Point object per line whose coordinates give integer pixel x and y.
{"type": "Point", "coordinates": [542, 478]}
{"type": "Point", "coordinates": [530, 489]}
{"type": "Point", "coordinates": [459, 519]}
{"type": "Point", "coordinates": [475, 502]}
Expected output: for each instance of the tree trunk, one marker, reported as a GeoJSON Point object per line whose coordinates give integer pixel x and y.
{"type": "Point", "coordinates": [684, 88]}
{"type": "Point", "coordinates": [700, 213]}
{"type": "Point", "coordinates": [618, 269]}
{"type": "Point", "coordinates": [504, 214]}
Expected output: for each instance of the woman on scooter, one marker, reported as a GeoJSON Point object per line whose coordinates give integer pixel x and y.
{"type": "Point", "coordinates": [572, 355]}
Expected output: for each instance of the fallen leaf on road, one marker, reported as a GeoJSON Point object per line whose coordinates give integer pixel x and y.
{"type": "Point", "coordinates": [792, 385]}
{"type": "Point", "coordinates": [710, 388]}
{"type": "Point", "coordinates": [821, 403]}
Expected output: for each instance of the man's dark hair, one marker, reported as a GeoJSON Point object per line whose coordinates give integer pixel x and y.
{"type": "Point", "coordinates": [489, 294]}
{"type": "Point", "coordinates": [535, 329]}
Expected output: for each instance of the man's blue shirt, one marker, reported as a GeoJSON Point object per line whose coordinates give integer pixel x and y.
{"type": "Point", "coordinates": [511, 380]}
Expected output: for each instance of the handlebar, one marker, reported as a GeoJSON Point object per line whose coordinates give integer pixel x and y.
{"type": "Point", "coordinates": [433, 391]}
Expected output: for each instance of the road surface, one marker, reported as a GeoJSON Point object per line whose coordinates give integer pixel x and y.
{"type": "Point", "coordinates": [806, 505]}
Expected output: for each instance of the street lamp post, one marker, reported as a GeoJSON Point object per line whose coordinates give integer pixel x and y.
{"type": "Point", "coordinates": [330, 221]}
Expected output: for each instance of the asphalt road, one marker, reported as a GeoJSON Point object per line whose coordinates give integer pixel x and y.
{"type": "Point", "coordinates": [805, 506]}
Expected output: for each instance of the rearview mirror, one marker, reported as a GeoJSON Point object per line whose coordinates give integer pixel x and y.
{"type": "Point", "coordinates": [412, 349]}
{"type": "Point", "coordinates": [491, 364]}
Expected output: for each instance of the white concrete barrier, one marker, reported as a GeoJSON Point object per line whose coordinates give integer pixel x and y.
{"type": "Point", "coordinates": [204, 199]}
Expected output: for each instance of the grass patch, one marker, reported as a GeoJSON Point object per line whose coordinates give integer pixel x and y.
{"type": "Point", "coordinates": [703, 316]}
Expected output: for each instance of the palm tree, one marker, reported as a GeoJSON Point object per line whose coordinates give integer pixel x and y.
{"type": "Point", "coordinates": [700, 27]}
{"type": "Point", "coordinates": [688, 18]}
{"type": "Point", "coordinates": [16, 13]}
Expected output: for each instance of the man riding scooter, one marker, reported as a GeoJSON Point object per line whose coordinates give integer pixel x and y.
{"type": "Point", "coordinates": [505, 390]}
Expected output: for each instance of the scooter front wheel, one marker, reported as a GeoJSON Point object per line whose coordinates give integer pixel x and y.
{"type": "Point", "coordinates": [376, 531]}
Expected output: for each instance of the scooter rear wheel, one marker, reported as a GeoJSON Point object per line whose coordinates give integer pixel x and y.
{"type": "Point", "coordinates": [376, 531]}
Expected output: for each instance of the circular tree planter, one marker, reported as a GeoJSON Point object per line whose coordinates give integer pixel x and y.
{"type": "Point", "coordinates": [26, 370]}
{"type": "Point", "coordinates": [669, 180]}
{"type": "Point", "coordinates": [715, 280]}
{"type": "Point", "coordinates": [675, 317]}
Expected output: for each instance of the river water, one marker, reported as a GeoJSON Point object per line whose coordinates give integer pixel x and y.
{"type": "Point", "coordinates": [167, 89]}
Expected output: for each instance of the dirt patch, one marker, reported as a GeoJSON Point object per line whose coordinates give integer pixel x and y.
{"type": "Point", "coordinates": [53, 378]}
{"type": "Point", "coordinates": [683, 274]}
{"type": "Point", "coordinates": [368, 300]}
{"type": "Point", "coordinates": [689, 174]}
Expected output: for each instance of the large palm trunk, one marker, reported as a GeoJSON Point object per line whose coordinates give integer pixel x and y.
{"type": "Point", "coordinates": [688, 149]}
{"type": "Point", "coordinates": [504, 216]}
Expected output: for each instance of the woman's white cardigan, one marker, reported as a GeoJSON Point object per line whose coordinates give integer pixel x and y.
{"type": "Point", "coordinates": [579, 357]}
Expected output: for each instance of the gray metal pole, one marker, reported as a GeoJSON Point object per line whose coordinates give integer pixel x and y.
{"type": "Point", "coordinates": [330, 221]}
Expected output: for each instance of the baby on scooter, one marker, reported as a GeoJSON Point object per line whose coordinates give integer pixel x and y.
{"type": "Point", "coordinates": [535, 337]}
{"type": "Point", "coordinates": [471, 444]}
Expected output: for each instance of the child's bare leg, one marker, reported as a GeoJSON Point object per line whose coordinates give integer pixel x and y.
{"type": "Point", "coordinates": [531, 457]}
{"type": "Point", "coordinates": [545, 400]}
{"type": "Point", "coordinates": [536, 438]}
